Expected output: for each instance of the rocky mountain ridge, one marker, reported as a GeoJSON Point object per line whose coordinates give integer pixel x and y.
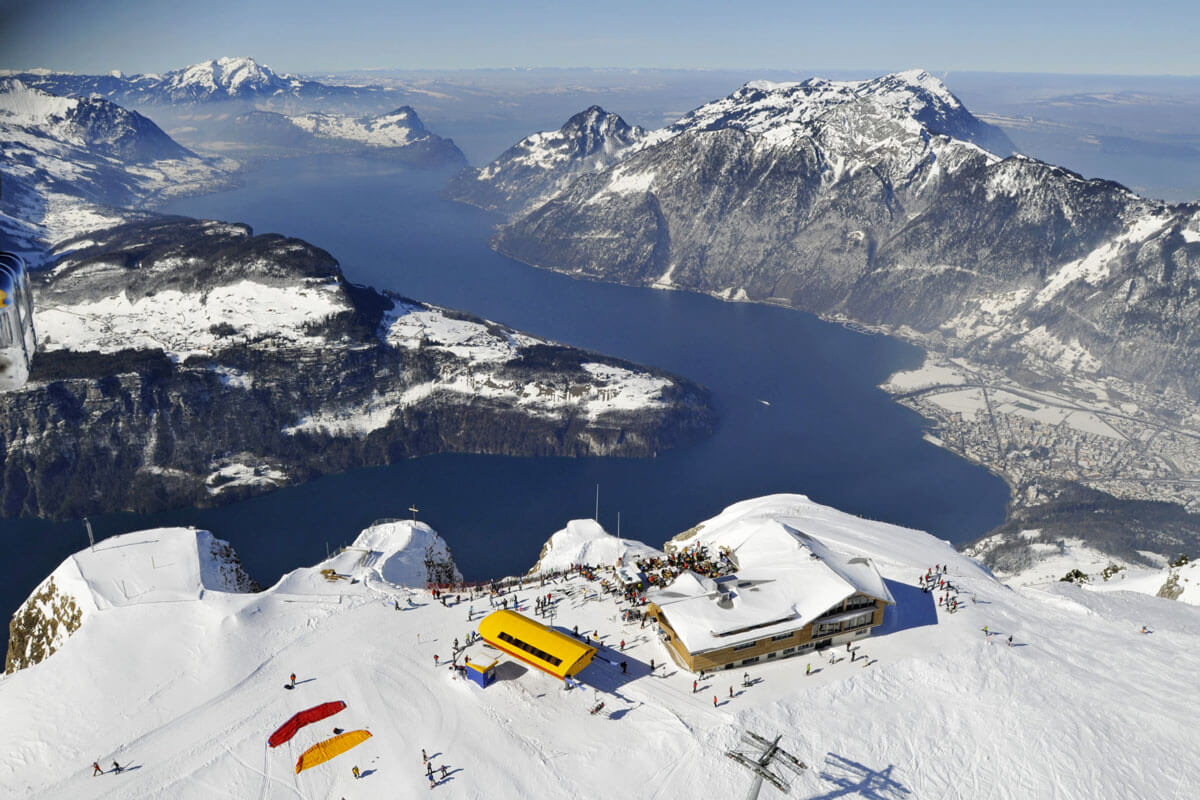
{"type": "Point", "coordinates": [397, 134]}
{"type": "Point", "coordinates": [190, 363]}
{"type": "Point", "coordinates": [76, 164]}
{"type": "Point", "coordinates": [861, 201]}
{"type": "Point", "coordinates": [543, 164]}
{"type": "Point", "coordinates": [212, 81]}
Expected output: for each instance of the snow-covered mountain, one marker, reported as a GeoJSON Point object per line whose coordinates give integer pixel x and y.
{"type": "Point", "coordinates": [397, 134]}
{"type": "Point", "coordinates": [216, 80]}
{"type": "Point", "coordinates": [887, 202]}
{"type": "Point", "coordinates": [540, 166]}
{"type": "Point", "coordinates": [187, 363]}
{"type": "Point", "coordinates": [184, 694]}
{"type": "Point", "coordinates": [70, 163]}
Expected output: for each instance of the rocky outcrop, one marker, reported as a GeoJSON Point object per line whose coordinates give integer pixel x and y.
{"type": "Point", "coordinates": [187, 363]}
{"type": "Point", "coordinates": [40, 626]}
{"type": "Point", "coordinates": [539, 166]}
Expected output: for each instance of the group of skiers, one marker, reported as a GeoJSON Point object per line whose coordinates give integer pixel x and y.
{"type": "Point", "coordinates": [96, 770]}
{"type": "Point", "coordinates": [429, 771]}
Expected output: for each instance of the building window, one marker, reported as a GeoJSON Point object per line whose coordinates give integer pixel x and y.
{"type": "Point", "coordinates": [859, 601]}
{"type": "Point", "coordinates": [772, 654]}
{"type": "Point", "coordinates": [783, 636]}
{"type": "Point", "coordinates": [745, 646]}
{"type": "Point", "coordinates": [789, 650]}
{"type": "Point", "coordinates": [825, 628]}
{"type": "Point", "coordinates": [750, 660]}
{"type": "Point", "coordinates": [859, 621]}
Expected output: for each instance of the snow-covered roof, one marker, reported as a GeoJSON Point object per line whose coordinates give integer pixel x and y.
{"type": "Point", "coordinates": [785, 580]}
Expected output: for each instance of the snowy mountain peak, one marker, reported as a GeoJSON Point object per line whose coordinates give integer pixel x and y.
{"type": "Point", "coordinates": [228, 77]}
{"type": "Point", "coordinates": [900, 107]}
{"type": "Point", "coordinates": [94, 123]}
{"type": "Point", "coordinates": [23, 105]}
{"type": "Point", "coordinates": [526, 174]}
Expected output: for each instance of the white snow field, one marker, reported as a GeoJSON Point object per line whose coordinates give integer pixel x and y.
{"type": "Point", "coordinates": [184, 686]}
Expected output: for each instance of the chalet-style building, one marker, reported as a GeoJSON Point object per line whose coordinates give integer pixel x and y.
{"type": "Point", "coordinates": [789, 594]}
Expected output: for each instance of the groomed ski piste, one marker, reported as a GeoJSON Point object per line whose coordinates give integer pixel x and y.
{"type": "Point", "coordinates": [182, 684]}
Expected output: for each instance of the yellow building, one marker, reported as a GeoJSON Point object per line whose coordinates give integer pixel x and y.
{"type": "Point", "coordinates": [530, 641]}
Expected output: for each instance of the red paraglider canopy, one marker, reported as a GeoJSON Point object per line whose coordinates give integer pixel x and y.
{"type": "Point", "coordinates": [315, 714]}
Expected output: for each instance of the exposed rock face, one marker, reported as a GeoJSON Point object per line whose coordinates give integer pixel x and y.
{"type": "Point", "coordinates": [878, 201]}
{"type": "Point", "coordinates": [539, 166]}
{"type": "Point", "coordinates": [187, 363]}
{"type": "Point", "coordinates": [40, 626]}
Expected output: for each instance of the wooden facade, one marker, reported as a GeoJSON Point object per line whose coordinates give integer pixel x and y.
{"type": "Point", "coordinates": [832, 627]}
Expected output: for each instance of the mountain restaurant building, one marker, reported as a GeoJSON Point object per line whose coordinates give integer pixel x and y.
{"type": "Point", "coordinates": [789, 595]}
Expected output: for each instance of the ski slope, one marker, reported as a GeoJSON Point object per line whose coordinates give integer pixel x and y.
{"type": "Point", "coordinates": [185, 693]}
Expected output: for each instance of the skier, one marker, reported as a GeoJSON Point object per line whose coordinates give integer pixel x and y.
{"type": "Point", "coordinates": [293, 679]}
{"type": "Point", "coordinates": [432, 782]}
{"type": "Point", "coordinates": [96, 769]}
{"type": "Point", "coordinates": [714, 701]}
{"type": "Point", "coordinates": [424, 758]}
{"type": "Point", "coordinates": [624, 666]}
{"type": "Point", "coordinates": [337, 731]}
{"type": "Point", "coordinates": [435, 659]}
{"type": "Point", "coordinates": [396, 604]}
{"type": "Point", "coordinates": [443, 771]}
{"type": "Point", "coordinates": [695, 684]}
{"type": "Point", "coordinates": [745, 679]}
{"type": "Point", "coordinates": [808, 670]}
{"type": "Point", "coordinates": [116, 768]}
{"type": "Point", "coordinates": [428, 769]}
{"type": "Point", "coordinates": [1010, 641]}
{"type": "Point", "coordinates": [622, 645]}
{"type": "Point", "coordinates": [470, 613]}
{"type": "Point", "coordinates": [354, 770]}
{"type": "Point", "coordinates": [730, 692]}
{"type": "Point", "coordinates": [652, 665]}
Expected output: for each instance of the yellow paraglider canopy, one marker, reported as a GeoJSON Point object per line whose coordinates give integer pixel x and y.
{"type": "Point", "coordinates": [323, 751]}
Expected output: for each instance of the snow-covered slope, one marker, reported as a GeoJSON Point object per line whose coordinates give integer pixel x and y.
{"type": "Point", "coordinates": [585, 542]}
{"type": "Point", "coordinates": [70, 162]}
{"type": "Point", "coordinates": [542, 165]}
{"type": "Point", "coordinates": [164, 565]}
{"type": "Point", "coordinates": [1082, 706]}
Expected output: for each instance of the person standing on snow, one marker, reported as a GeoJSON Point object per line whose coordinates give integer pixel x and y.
{"type": "Point", "coordinates": [354, 770]}
{"type": "Point", "coordinates": [96, 769]}
{"type": "Point", "coordinates": [293, 679]}
{"type": "Point", "coordinates": [116, 768]}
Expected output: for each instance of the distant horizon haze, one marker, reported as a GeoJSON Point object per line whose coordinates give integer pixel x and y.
{"type": "Point", "coordinates": [305, 36]}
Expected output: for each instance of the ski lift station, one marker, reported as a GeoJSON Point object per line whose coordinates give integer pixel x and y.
{"type": "Point", "coordinates": [789, 595]}
{"type": "Point", "coordinates": [544, 648]}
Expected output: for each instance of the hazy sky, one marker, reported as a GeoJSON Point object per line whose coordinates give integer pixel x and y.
{"type": "Point", "coordinates": [1074, 36]}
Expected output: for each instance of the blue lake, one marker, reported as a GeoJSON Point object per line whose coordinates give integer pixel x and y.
{"type": "Point", "coordinates": [798, 401]}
